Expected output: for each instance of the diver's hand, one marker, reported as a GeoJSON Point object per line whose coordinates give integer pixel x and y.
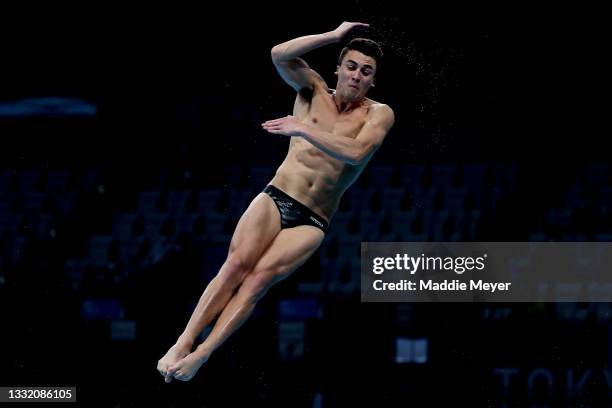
{"type": "Point", "coordinates": [287, 126]}
{"type": "Point", "coordinates": [345, 27]}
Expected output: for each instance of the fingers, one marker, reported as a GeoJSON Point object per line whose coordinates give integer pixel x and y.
{"type": "Point", "coordinates": [275, 131]}
{"type": "Point", "coordinates": [281, 126]}
{"type": "Point", "coordinates": [278, 120]}
{"type": "Point", "coordinates": [273, 122]}
{"type": "Point", "coordinates": [273, 125]}
{"type": "Point", "coordinates": [354, 24]}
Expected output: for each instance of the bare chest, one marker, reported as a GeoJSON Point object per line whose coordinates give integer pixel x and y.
{"type": "Point", "coordinates": [323, 114]}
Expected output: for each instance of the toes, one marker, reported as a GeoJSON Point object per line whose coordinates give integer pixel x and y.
{"type": "Point", "coordinates": [182, 377]}
{"type": "Point", "coordinates": [169, 374]}
{"type": "Point", "coordinates": [162, 368]}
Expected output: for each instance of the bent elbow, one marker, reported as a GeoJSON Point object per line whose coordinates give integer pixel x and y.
{"type": "Point", "coordinates": [360, 154]}
{"type": "Point", "coordinates": [356, 158]}
{"type": "Point", "coordinates": [275, 53]}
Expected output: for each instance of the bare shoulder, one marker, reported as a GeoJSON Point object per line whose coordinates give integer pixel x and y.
{"type": "Point", "coordinates": [380, 112]}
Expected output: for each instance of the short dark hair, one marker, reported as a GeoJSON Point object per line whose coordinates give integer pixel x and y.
{"type": "Point", "coordinates": [365, 46]}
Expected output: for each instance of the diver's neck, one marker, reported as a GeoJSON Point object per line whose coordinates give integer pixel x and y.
{"type": "Point", "coordinates": [346, 106]}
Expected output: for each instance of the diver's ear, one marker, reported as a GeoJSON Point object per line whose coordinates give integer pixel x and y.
{"type": "Point", "coordinates": [337, 68]}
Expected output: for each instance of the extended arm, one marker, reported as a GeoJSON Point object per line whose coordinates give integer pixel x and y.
{"type": "Point", "coordinates": [352, 151]}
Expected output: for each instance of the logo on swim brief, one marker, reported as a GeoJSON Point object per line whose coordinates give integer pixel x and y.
{"type": "Point", "coordinates": [285, 204]}
{"type": "Point", "coordinates": [319, 223]}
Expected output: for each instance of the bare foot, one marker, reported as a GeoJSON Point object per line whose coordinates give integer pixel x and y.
{"type": "Point", "coordinates": [175, 354]}
{"type": "Point", "coordinates": [186, 368]}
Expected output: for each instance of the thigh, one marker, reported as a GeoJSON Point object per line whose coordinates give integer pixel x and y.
{"type": "Point", "coordinates": [288, 251]}
{"type": "Point", "coordinates": [256, 229]}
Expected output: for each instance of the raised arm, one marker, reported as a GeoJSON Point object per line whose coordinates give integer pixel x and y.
{"type": "Point", "coordinates": [293, 69]}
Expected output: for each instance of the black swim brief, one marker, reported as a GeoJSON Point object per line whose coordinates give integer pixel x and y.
{"type": "Point", "coordinates": [292, 212]}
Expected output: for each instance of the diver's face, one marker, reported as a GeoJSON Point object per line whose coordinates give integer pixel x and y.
{"type": "Point", "coordinates": [355, 75]}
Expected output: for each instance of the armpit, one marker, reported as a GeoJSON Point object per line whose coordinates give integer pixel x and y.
{"type": "Point", "coordinates": [306, 94]}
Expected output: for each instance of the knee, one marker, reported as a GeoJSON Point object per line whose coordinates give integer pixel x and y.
{"type": "Point", "coordinates": [235, 269]}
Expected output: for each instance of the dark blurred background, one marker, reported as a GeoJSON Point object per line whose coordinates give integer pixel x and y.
{"type": "Point", "coordinates": [131, 145]}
